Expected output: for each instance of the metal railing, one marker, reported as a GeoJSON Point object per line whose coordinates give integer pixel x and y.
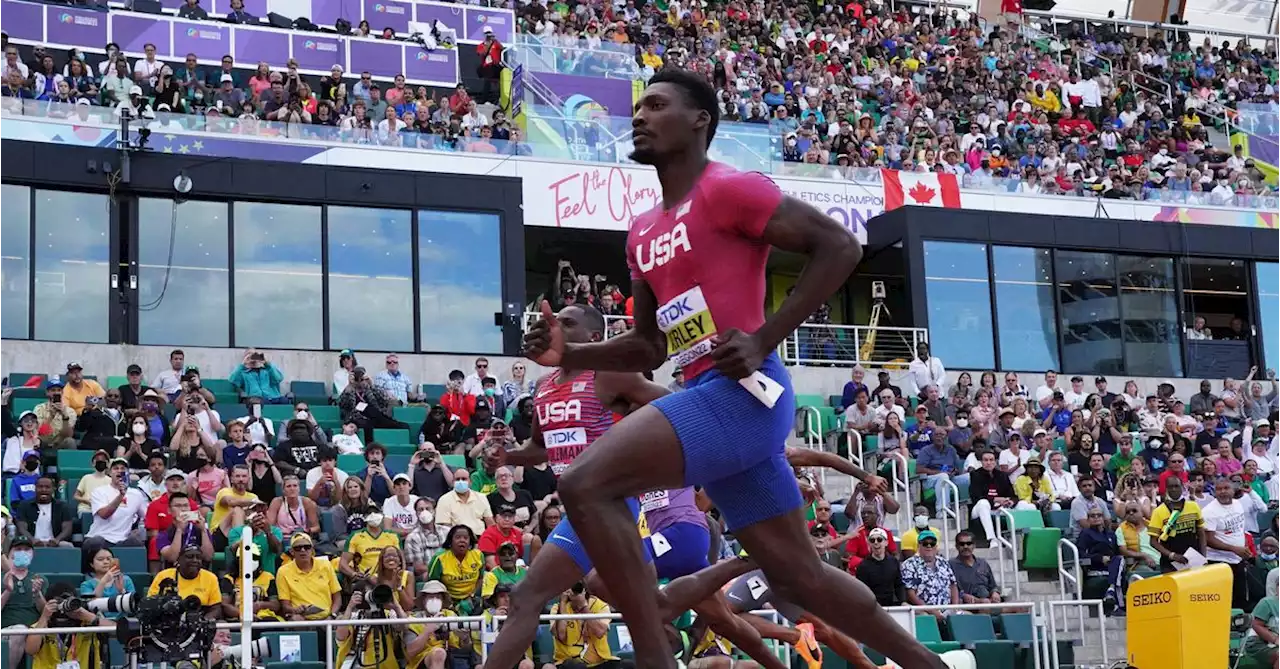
{"type": "Point", "coordinates": [1081, 604]}
{"type": "Point", "coordinates": [900, 484]}
{"type": "Point", "coordinates": [614, 325]}
{"type": "Point", "coordinates": [842, 345]}
{"type": "Point", "coordinates": [1012, 544]}
{"type": "Point", "coordinates": [1073, 577]}
{"type": "Point", "coordinates": [951, 511]}
{"type": "Point", "coordinates": [812, 436]}
{"type": "Point", "coordinates": [853, 442]}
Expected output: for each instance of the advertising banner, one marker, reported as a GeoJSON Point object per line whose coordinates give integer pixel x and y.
{"type": "Point", "coordinates": [210, 41]}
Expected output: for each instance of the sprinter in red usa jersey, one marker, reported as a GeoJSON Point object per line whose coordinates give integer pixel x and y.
{"type": "Point", "coordinates": [698, 279]}
{"type": "Point", "coordinates": [574, 409]}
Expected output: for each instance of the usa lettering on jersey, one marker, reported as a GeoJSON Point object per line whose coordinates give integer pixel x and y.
{"type": "Point", "coordinates": [663, 248]}
{"type": "Point", "coordinates": [559, 412]}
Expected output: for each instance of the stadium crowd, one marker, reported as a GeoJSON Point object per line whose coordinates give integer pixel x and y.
{"type": "Point", "coordinates": [842, 88]}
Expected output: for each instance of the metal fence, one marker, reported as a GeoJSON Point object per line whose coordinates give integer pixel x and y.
{"type": "Point", "coordinates": [811, 344]}
{"type": "Point", "coordinates": [1043, 642]}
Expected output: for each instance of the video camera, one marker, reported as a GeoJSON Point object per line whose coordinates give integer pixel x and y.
{"type": "Point", "coordinates": [164, 628]}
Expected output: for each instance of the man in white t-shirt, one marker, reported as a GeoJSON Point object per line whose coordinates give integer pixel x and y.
{"type": "Point", "coordinates": [1224, 525]}
{"type": "Point", "coordinates": [118, 512]}
{"type": "Point", "coordinates": [1076, 396]}
{"type": "Point", "coordinates": [1044, 394]}
{"type": "Point", "coordinates": [327, 472]}
{"type": "Point", "coordinates": [397, 511]}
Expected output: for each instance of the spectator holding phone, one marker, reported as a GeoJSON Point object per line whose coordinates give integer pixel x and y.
{"type": "Point", "coordinates": [324, 482]}
{"type": "Point", "coordinates": [186, 531]}
{"type": "Point", "coordinates": [256, 377]}
{"type": "Point", "coordinates": [117, 510]}
{"type": "Point", "coordinates": [376, 476]}
{"type": "Point", "coordinates": [431, 477]}
{"type": "Point", "coordinates": [106, 579]}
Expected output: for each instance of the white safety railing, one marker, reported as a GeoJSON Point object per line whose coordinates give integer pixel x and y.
{"type": "Point", "coordinates": [950, 511]}
{"type": "Point", "coordinates": [849, 345]}
{"type": "Point", "coordinates": [853, 442]}
{"type": "Point", "coordinates": [900, 484]}
{"type": "Point", "coordinates": [1073, 577]}
{"type": "Point", "coordinates": [812, 436]}
{"type": "Point", "coordinates": [1080, 604]}
{"type": "Point", "coordinates": [1012, 545]}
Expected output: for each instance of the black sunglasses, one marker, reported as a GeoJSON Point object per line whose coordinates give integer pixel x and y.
{"type": "Point", "coordinates": [303, 547]}
{"type": "Point", "coordinates": [964, 543]}
{"type": "Point", "coordinates": [928, 544]}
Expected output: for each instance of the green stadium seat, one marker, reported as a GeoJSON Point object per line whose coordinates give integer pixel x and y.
{"type": "Point", "coordinates": [116, 381]}
{"type": "Point", "coordinates": [1060, 445]}
{"type": "Point", "coordinates": [413, 415]}
{"type": "Point", "coordinates": [223, 400]}
{"type": "Point", "coordinates": [398, 463]}
{"type": "Point", "coordinates": [351, 462]}
{"type": "Point", "coordinates": [434, 390]}
{"type": "Point", "coordinates": [1060, 519]}
{"type": "Point", "coordinates": [832, 661]}
{"type": "Point", "coordinates": [543, 646]}
{"type": "Point", "coordinates": [454, 461]}
{"type": "Point", "coordinates": [230, 411]}
{"type": "Point", "coordinates": [21, 404]}
{"type": "Point", "coordinates": [141, 580]}
{"type": "Point", "coordinates": [315, 392]}
{"type": "Point", "coordinates": [972, 628]}
{"type": "Point", "coordinates": [391, 436]}
{"type": "Point", "coordinates": [74, 578]}
{"type": "Point", "coordinates": [278, 412]}
{"type": "Point", "coordinates": [322, 412]}
{"type": "Point", "coordinates": [22, 392]}
{"type": "Point", "coordinates": [928, 633]}
{"type": "Point", "coordinates": [20, 379]}
{"type": "Point", "coordinates": [70, 479]}
{"type": "Point", "coordinates": [59, 560]}
{"type": "Point", "coordinates": [810, 401]}
{"type": "Point", "coordinates": [406, 450]}
{"type": "Point", "coordinates": [840, 522]}
{"type": "Point", "coordinates": [75, 459]}
{"type": "Point", "coordinates": [132, 558]}
{"type": "Point", "coordinates": [216, 386]}
{"type": "Point", "coordinates": [1026, 519]}
{"type": "Point", "coordinates": [834, 400]}
{"type": "Point", "coordinates": [615, 643]}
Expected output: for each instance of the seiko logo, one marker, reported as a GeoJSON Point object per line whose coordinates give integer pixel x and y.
{"type": "Point", "coordinates": [1153, 598]}
{"type": "Point", "coordinates": [1206, 597]}
{"type": "Point", "coordinates": [559, 412]}
{"type": "Point", "coordinates": [663, 248]}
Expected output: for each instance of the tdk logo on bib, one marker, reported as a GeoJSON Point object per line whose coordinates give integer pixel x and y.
{"type": "Point", "coordinates": [675, 311]}
{"type": "Point", "coordinates": [572, 436]}
{"type": "Point", "coordinates": [559, 412]}
{"type": "Point", "coordinates": [663, 248]}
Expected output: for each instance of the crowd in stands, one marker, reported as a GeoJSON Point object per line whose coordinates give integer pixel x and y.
{"type": "Point", "coordinates": [1143, 481]}
{"type": "Point", "coordinates": [175, 469]}
{"type": "Point", "coordinates": [844, 88]}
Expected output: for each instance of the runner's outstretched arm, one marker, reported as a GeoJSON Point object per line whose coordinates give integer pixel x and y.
{"type": "Point", "coordinates": [640, 349]}
{"type": "Point", "coordinates": [807, 457]}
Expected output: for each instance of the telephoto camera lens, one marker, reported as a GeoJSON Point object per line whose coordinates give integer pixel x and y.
{"type": "Point", "coordinates": [381, 596]}
{"type": "Point", "coordinates": [69, 603]}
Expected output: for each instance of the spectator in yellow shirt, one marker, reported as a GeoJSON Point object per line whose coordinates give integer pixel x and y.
{"type": "Point", "coordinates": [460, 566]}
{"type": "Point", "coordinates": [650, 57]}
{"type": "Point", "coordinates": [78, 388]}
{"type": "Point", "coordinates": [364, 549]}
{"type": "Point", "coordinates": [231, 506]}
{"type": "Point", "coordinates": [584, 640]}
{"type": "Point", "coordinates": [1044, 98]}
{"type": "Point", "coordinates": [307, 586]}
{"type": "Point", "coordinates": [380, 645]}
{"type": "Point", "coordinates": [191, 579]}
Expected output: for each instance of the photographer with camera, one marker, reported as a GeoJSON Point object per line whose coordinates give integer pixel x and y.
{"type": "Point", "coordinates": [427, 644]}
{"type": "Point", "coordinates": [380, 646]}
{"type": "Point", "coordinates": [63, 651]}
{"type": "Point", "coordinates": [586, 641]}
{"type": "Point", "coordinates": [266, 606]}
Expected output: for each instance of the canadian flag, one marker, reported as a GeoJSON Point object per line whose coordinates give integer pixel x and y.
{"type": "Point", "coordinates": [919, 189]}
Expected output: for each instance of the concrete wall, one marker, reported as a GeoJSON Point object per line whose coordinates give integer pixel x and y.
{"type": "Point", "coordinates": [103, 360]}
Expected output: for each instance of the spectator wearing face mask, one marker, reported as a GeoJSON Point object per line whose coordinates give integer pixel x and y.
{"type": "Point", "coordinates": [26, 440]}
{"type": "Point", "coordinates": [92, 481]}
{"type": "Point", "coordinates": [463, 506]}
{"type": "Point", "coordinates": [490, 392]}
{"type": "Point", "coordinates": [137, 446]}
{"type": "Point", "coordinates": [22, 487]}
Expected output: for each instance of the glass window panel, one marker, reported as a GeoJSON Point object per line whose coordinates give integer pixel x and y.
{"type": "Point", "coordinates": [1216, 290]}
{"type": "Point", "coordinates": [15, 268]}
{"type": "Point", "coordinates": [1269, 311]}
{"type": "Point", "coordinates": [460, 281]}
{"type": "Point", "coordinates": [370, 279]}
{"type": "Point", "coordinates": [958, 292]}
{"type": "Point", "coordinates": [184, 297]}
{"type": "Point", "coordinates": [1027, 325]}
{"type": "Point", "coordinates": [1150, 306]}
{"type": "Point", "coordinates": [1090, 316]}
{"type": "Point", "coordinates": [72, 264]}
{"type": "Point", "coordinates": [278, 286]}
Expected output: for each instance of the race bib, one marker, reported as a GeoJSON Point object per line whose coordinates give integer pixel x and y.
{"type": "Point", "coordinates": [563, 446]}
{"type": "Point", "coordinates": [71, 664]}
{"type": "Point", "coordinates": [660, 544]}
{"type": "Point", "coordinates": [686, 321]}
{"type": "Point", "coordinates": [757, 586]}
{"type": "Point", "coordinates": [654, 499]}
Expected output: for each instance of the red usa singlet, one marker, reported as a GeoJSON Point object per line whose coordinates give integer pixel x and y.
{"type": "Point", "coordinates": [570, 416]}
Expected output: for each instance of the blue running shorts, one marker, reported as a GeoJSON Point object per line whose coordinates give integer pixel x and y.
{"type": "Point", "coordinates": [734, 445]}
{"type": "Point", "coordinates": [566, 538]}
{"type": "Point", "coordinates": [679, 550]}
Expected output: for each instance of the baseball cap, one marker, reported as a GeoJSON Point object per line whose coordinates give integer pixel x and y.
{"type": "Point", "coordinates": [1099, 379]}
{"type": "Point", "coordinates": [74, 365]}
{"type": "Point", "coordinates": [121, 461]}
{"type": "Point", "coordinates": [28, 413]}
{"type": "Point", "coordinates": [877, 533]}
{"type": "Point", "coordinates": [175, 473]}
{"type": "Point", "coordinates": [1039, 432]}
{"type": "Point", "coordinates": [505, 508]}
{"type": "Point", "coordinates": [54, 381]}
{"type": "Point", "coordinates": [401, 477]}
{"type": "Point", "coordinates": [83, 101]}
{"type": "Point", "coordinates": [482, 403]}
{"type": "Point", "coordinates": [927, 534]}
{"type": "Point", "coordinates": [134, 369]}
{"type": "Point", "coordinates": [508, 547]}
{"type": "Point", "coordinates": [20, 540]}
{"type": "Point", "coordinates": [135, 90]}
{"type": "Point", "coordinates": [32, 453]}
{"type": "Point", "coordinates": [488, 30]}
{"type": "Point", "coordinates": [1262, 421]}
{"type": "Point", "coordinates": [225, 79]}
{"type": "Point", "coordinates": [1033, 461]}
{"type": "Point", "coordinates": [429, 587]}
